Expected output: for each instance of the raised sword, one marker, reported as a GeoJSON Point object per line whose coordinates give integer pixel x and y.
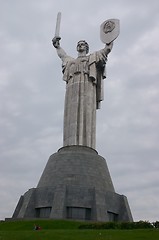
{"type": "Point", "coordinates": [57, 29]}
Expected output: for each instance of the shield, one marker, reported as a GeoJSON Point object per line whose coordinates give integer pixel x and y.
{"type": "Point", "coordinates": [109, 30]}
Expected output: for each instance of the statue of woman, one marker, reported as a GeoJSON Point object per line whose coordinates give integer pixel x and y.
{"type": "Point", "coordinates": [84, 85]}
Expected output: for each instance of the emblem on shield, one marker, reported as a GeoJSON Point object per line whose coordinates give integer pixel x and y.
{"type": "Point", "coordinates": [109, 30]}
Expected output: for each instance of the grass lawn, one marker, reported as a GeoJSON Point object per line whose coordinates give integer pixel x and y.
{"type": "Point", "coordinates": [68, 230]}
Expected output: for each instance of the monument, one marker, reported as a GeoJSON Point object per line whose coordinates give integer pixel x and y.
{"type": "Point", "coordinates": [76, 183]}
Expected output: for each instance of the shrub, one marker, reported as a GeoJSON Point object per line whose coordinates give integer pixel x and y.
{"type": "Point", "coordinates": [119, 225]}
{"type": "Point", "coordinates": [156, 224]}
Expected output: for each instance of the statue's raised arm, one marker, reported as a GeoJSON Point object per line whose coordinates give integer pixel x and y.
{"type": "Point", "coordinates": [60, 52]}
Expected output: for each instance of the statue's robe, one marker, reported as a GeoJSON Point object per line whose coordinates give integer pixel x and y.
{"type": "Point", "coordinates": [84, 92]}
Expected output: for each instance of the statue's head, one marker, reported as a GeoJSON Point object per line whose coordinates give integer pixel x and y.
{"type": "Point", "coordinates": [82, 46]}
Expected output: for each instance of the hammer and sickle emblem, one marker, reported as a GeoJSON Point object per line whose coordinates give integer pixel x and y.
{"type": "Point", "coordinates": [108, 26]}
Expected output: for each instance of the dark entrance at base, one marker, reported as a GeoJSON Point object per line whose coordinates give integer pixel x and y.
{"type": "Point", "coordinates": [43, 212]}
{"type": "Point", "coordinates": [113, 217]}
{"type": "Point", "coordinates": [79, 213]}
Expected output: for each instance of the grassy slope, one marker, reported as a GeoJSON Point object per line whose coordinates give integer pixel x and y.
{"type": "Point", "coordinates": [68, 230]}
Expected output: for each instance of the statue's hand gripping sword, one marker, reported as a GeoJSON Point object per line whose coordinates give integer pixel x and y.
{"type": "Point", "coordinates": [57, 37]}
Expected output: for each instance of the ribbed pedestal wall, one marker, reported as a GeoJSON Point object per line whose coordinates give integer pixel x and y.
{"type": "Point", "coordinates": [75, 184]}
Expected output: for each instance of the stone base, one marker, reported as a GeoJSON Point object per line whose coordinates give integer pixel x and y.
{"type": "Point", "coordinates": [75, 184]}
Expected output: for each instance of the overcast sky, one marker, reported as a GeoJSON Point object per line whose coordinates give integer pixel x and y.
{"type": "Point", "coordinates": [32, 95]}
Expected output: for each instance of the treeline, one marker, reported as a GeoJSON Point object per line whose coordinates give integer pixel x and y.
{"type": "Point", "coordinates": [120, 225]}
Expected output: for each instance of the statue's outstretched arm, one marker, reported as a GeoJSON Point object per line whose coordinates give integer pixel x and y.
{"type": "Point", "coordinates": [103, 53]}
{"type": "Point", "coordinates": [60, 52]}
{"type": "Point", "coordinates": [108, 47]}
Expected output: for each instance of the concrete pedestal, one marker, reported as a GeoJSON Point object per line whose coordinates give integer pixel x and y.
{"type": "Point", "coordinates": [75, 184]}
